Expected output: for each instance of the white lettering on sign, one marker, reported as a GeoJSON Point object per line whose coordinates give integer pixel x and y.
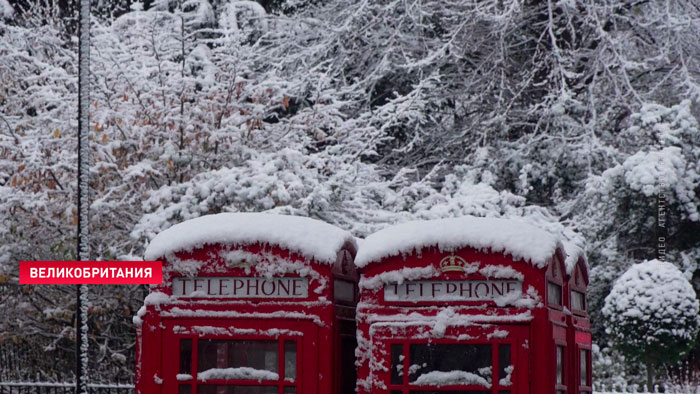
{"type": "Point", "coordinates": [241, 287]}
{"type": "Point", "coordinates": [468, 290]}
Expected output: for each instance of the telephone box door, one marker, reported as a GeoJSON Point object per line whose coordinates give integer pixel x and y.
{"type": "Point", "coordinates": [239, 357]}
{"type": "Point", "coordinates": [490, 359]}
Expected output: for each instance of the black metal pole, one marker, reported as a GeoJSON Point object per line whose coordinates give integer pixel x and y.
{"type": "Point", "coordinates": [83, 249]}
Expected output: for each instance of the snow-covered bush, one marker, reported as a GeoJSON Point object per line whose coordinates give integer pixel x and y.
{"type": "Point", "coordinates": [652, 314]}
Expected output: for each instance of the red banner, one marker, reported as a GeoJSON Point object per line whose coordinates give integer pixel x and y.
{"type": "Point", "coordinates": [90, 272]}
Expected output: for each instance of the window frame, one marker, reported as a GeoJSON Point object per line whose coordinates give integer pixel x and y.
{"type": "Point", "coordinates": [564, 365]}
{"type": "Point", "coordinates": [406, 387]}
{"type": "Point", "coordinates": [559, 305]}
{"type": "Point", "coordinates": [573, 290]}
{"type": "Point", "coordinates": [588, 387]}
{"type": "Point", "coordinates": [280, 384]}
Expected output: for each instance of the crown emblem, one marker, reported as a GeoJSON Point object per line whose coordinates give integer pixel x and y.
{"type": "Point", "coordinates": [452, 263]}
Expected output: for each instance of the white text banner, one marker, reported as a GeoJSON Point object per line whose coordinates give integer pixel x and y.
{"type": "Point", "coordinates": [290, 287]}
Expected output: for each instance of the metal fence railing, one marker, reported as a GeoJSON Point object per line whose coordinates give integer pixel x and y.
{"type": "Point", "coordinates": [62, 388]}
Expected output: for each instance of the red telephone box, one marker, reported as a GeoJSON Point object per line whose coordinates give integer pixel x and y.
{"type": "Point", "coordinates": [250, 303]}
{"type": "Point", "coordinates": [463, 306]}
{"type": "Point", "coordinates": [578, 322]}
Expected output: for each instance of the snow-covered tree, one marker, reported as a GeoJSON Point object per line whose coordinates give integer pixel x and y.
{"type": "Point", "coordinates": [651, 314]}
{"type": "Point", "coordinates": [575, 114]}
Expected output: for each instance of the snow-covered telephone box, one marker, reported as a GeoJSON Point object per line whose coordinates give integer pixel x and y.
{"type": "Point", "coordinates": [252, 304]}
{"type": "Point", "coordinates": [466, 305]}
{"type": "Point", "coordinates": [578, 323]}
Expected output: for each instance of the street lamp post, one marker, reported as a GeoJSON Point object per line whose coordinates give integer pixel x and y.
{"type": "Point", "coordinates": [83, 247]}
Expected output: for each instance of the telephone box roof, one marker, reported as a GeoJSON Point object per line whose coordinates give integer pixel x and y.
{"type": "Point", "coordinates": [311, 238]}
{"type": "Point", "coordinates": [509, 236]}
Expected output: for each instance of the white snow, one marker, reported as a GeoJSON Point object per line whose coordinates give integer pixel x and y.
{"type": "Point", "coordinates": [310, 238]}
{"type": "Point", "coordinates": [440, 378]}
{"type": "Point", "coordinates": [6, 10]}
{"type": "Point", "coordinates": [573, 253]}
{"type": "Point", "coordinates": [658, 296]}
{"type": "Point", "coordinates": [505, 381]}
{"type": "Point", "coordinates": [397, 276]}
{"type": "Point", "coordinates": [501, 271]}
{"type": "Point", "coordinates": [232, 330]}
{"type": "Point", "coordinates": [436, 326]}
{"type": "Point", "coordinates": [156, 298]}
{"type": "Point", "coordinates": [183, 376]}
{"type": "Point", "coordinates": [237, 373]}
{"type": "Point", "coordinates": [179, 312]}
{"type": "Point", "coordinates": [497, 334]}
{"type": "Point", "coordinates": [509, 236]}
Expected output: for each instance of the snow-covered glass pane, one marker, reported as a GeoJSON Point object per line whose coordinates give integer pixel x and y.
{"type": "Point", "coordinates": [221, 389]}
{"type": "Point", "coordinates": [553, 293]}
{"type": "Point", "coordinates": [450, 364]}
{"type": "Point", "coordinates": [397, 364]}
{"type": "Point", "coordinates": [290, 359]}
{"type": "Point", "coordinates": [186, 356]}
{"type": "Point", "coordinates": [578, 300]}
{"type": "Point", "coordinates": [225, 354]}
{"type": "Point", "coordinates": [583, 361]}
{"type": "Point", "coordinates": [560, 364]}
{"type": "Point", "coordinates": [505, 367]}
{"type": "Point", "coordinates": [185, 389]}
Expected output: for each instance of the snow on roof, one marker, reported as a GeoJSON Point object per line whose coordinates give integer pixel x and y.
{"type": "Point", "coordinates": [510, 236]}
{"type": "Point", "coordinates": [313, 239]}
{"type": "Point", "coordinates": [573, 253]}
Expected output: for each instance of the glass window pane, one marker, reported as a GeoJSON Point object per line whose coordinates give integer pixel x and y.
{"type": "Point", "coordinates": [348, 376]}
{"type": "Point", "coordinates": [290, 360]}
{"type": "Point", "coordinates": [186, 356]}
{"type": "Point", "coordinates": [185, 389]}
{"type": "Point", "coordinates": [224, 359]}
{"type": "Point", "coordinates": [397, 364]}
{"type": "Point", "coordinates": [290, 390]}
{"type": "Point", "coordinates": [344, 290]}
{"type": "Point", "coordinates": [560, 364]}
{"type": "Point", "coordinates": [224, 389]}
{"type": "Point", "coordinates": [429, 362]}
{"type": "Point", "coordinates": [578, 300]}
{"type": "Point", "coordinates": [505, 368]}
{"type": "Point", "coordinates": [553, 293]}
{"type": "Point", "coordinates": [583, 360]}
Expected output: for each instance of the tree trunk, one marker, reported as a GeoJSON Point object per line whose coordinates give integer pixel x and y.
{"type": "Point", "coordinates": [650, 374]}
